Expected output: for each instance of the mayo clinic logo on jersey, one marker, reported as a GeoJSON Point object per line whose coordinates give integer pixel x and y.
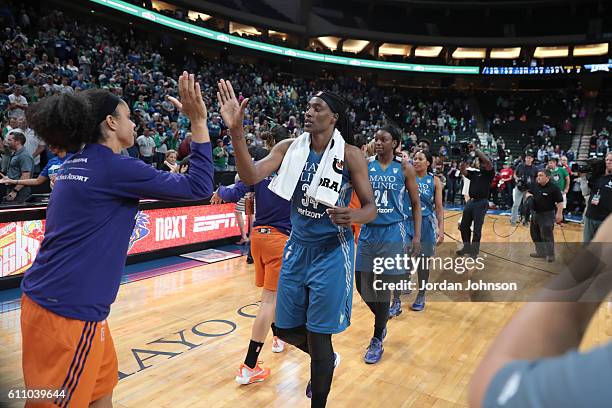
{"type": "Point", "coordinates": [214, 222]}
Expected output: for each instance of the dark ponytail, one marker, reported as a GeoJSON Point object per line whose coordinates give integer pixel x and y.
{"type": "Point", "coordinates": [62, 120]}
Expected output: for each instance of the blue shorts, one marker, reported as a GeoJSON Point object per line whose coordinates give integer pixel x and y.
{"type": "Point", "coordinates": [429, 231]}
{"type": "Point", "coordinates": [315, 287]}
{"type": "Point", "coordinates": [385, 241]}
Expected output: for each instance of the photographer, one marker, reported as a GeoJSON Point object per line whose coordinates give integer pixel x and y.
{"type": "Point", "coordinates": [547, 207]}
{"type": "Point", "coordinates": [480, 175]}
{"type": "Point", "coordinates": [599, 204]}
{"type": "Point", "coordinates": [524, 177]}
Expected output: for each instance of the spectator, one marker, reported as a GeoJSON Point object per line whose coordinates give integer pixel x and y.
{"type": "Point", "coordinates": [220, 156]}
{"type": "Point", "coordinates": [4, 99]}
{"type": "Point", "coordinates": [214, 129]}
{"type": "Point", "coordinates": [559, 177]}
{"type": "Point", "coordinates": [524, 177]}
{"type": "Point", "coordinates": [20, 167]}
{"type": "Point", "coordinates": [17, 103]}
{"type": "Point", "coordinates": [146, 145]}
{"type": "Point", "coordinates": [34, 145]}
{"type": "Point", "coordinates": [48, 173]}
{"type": "Point", "coordinates": [170, 163]}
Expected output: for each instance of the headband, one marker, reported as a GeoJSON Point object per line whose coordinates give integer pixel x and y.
{"type": "Point", "coordinates": [107, 106]}
{"type": "Point", "coordinates": [335, 103]}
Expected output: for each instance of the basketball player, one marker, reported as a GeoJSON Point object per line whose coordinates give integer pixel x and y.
{"type": "Point", "coordinates": [68, 291]}
{"type": "Point", "coordinates": [271, 229]}
{"type": "Point", "coordinates": [432, 226]}
{"type": "Point", "coordinates": [394, 185]}
{"type": "Point", "coordinates": [314, 297]}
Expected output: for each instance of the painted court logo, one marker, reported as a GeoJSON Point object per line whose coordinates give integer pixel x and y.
{"type": "Point", "coordinates": [141, 229]}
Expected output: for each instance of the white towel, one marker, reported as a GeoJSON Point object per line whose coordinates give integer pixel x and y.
{"type": "Point", "coordinates": [325, 185]}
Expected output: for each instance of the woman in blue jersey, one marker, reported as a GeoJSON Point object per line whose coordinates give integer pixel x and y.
{"type": "Point", "coordinates": [432, 225]}
{"type": "Point", "coordinates": [68, 291]}
{"type": "Point", "coordinates": [395, 187]}
{"type": "Point", "coordinates": [315, 287]}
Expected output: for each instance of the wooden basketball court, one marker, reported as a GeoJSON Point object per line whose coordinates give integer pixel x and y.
{"type": "Point", "coordinates": [180, 338]}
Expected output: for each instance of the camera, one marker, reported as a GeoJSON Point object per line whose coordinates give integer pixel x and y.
{"type": "Point", "coordinates": [521, 185]}
{"type": "Point", "coordinates": [592, 167]}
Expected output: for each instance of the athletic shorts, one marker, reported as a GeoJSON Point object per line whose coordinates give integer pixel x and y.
{"type": "Point", "coordinates": [66, 354]}
{"type": "Point", "coordinates": [429, 234]}
{"type": "Point", "coordinates": [379, 242]}
{"type": "Point", "coordinates": [315, 287]}
{"type": "Point", "coordinates": [267, 246]}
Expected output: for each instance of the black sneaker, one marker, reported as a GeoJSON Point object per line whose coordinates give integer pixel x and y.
{"type": "Point", "coordinates": [249, 259]}
{"type": "Point", "coordinates": [536, 255]}
{"type": "Point", "coordinates": [550, 259]}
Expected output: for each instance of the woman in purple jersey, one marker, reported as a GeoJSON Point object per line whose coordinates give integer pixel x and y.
{"type": "Point", "coordinates": [68, 291]}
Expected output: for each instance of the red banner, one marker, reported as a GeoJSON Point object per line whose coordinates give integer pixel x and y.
{"type": "Point", "coordinates": [154, 230]}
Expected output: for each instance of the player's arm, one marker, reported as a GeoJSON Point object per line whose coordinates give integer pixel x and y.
{"type": "Point", "coordinates": [413, 191]}
{"type": "Point", "coordinates": [230, 194]}
{"type": "Point", "coordinates": [233, 117]}
{"type": "Point", "coordinates": [358, 170]}
{"type": "Point", "coordinates": [439, 203]}
{"type": "Point", "coordinates": [545, 328]}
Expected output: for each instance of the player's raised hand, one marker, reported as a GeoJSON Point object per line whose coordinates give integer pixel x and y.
{"type": "Point", "coordinates": [191, 102]}
{"type": "Point", "coordinates": [232, 112]}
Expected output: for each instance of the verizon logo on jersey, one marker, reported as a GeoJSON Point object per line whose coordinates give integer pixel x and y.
{"type": "Point", "coordinates": [214, 222]}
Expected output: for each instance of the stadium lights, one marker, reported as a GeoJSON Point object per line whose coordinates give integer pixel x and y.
{"type": "Point", "coordinates": [152, 17]}
{"type": "Point", "coordinates": [394, 49]}
{"type": "Point", "coordinates": [590, 50]}
{"type": "Point", "coordinates": [551, 52]}
{"type": "Point", "coordinates": [505, 53]}
{"type": "Point", "coordinates": [278, 34]}
{"type": "Point", "coordinates": [470, 53]}
{"type": "Point", "coordinates": [194, 15]}
{"type": "Point", "coordinates": [429, 52]}
{"type": "Point", "coordinates": [355, 46]}
{"type": "Point", "coordinates": [243, 29]}
{"type": "Point", "coordinates": [330, 42]}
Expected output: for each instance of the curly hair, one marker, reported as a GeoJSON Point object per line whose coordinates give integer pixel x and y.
{"type": "Point", "coordinates": [64, 121]}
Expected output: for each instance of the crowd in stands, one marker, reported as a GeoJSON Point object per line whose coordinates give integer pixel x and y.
{"type": "Point", "coordinates": [55, 53]}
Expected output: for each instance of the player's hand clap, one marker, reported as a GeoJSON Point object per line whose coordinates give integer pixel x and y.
{"type": "Point", "coordinates": [192, 105]}
{"type": "Point", "coordinates": [341, 216]}
{"type": "Point", "coordinates": [232, 112]}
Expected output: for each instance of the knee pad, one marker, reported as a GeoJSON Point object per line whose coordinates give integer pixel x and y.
{"type": "Point", "coordinates": [294, 335]}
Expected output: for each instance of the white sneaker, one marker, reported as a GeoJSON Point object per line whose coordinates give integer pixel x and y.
{"type": "Point", "coordinates": [278, 346]}
{"type": "Point", "coordinates": [247, 375]}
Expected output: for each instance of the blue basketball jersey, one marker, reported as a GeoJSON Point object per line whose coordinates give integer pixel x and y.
{"type": "Point", "coordinates": [389, 187]}
{"type": "Point", "coordinates": [310, 222]}
{"type": "Point", "coordinates": [426, 195]}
